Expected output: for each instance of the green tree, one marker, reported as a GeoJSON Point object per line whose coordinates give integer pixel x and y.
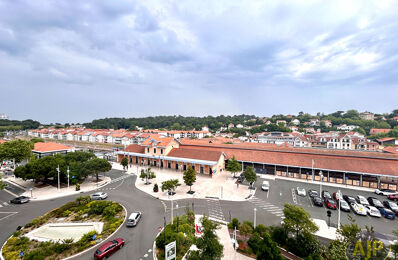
{"type": "Point", "coordinates": [170, 185]}
{"type": "Point", "coordinates": [336, 250]}
{"type": "Point", "coordinates": [18, 150]}
{"type": "Point", "coordinates": [37, 140]}
{"type": "Point", "coordinates": [189, 178]}
{"type": "Point", "coordinates": [297, 220]}
{"type": "Point", "coordinates": [147, 174]}
{"type": "Point", "coordinates": [250, 175]}
{"type": "Point", "coordinates": [209, 246]}
{"type": "Point", "coordinates": [394, 247]}
{"type": "Point", "coordinates": [233, 166]}
{"type": "Point", "coordinates": [349, 231]}
{"type": "Point", "coordinates": [268, 249]}
{"type": "Point", "coordinates": [124, 162]}
{"type": "Point", "coordinates": [97, 165]}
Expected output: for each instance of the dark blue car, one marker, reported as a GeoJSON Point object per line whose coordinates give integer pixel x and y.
{"type": "Point", "coordinates": [387, 213]}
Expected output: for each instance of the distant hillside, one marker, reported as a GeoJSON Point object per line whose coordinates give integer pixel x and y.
{"type": "Point", "coordinates": [12, 125]}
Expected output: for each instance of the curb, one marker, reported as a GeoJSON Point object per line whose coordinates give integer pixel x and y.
{"type": "Point", "coordinates": [154, 246]}
{"type": "Point", "coordinates": [86, 250]}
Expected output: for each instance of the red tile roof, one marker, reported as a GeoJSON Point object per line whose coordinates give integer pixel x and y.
{"type": "Point", "coordinates": [198, 154]}
{"type": "Point", "coordinates": [374, 131]}
{"type": "Point", "coordinates": [350, 161]}
{"type": "Point", "coordinates": [135, 148]}
{"type": "Point", "coordinates": [50, 147]}
{"type": "Point", "coordinates": [161, 141]}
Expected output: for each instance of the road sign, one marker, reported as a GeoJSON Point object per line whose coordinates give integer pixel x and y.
{"type": "Point", "coordinates": [94, 236]}
{"type": "Point", "coordinates": [170, 251]}
{"type": "Point", "coordinates": [73, 177]}
{"type": "Point", "coordinates": [21, 254]}
{"type": "Point", "coordinates": [30, 189]}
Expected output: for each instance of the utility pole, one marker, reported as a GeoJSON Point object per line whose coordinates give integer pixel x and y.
{"type": "Point", "coordinates": [320, 184]}
{"type": "Point", "coordinates": [58, 178]}
{"type": "Point", "coordinates": [172, 211]}
{"type": "Point", "coordinates": [255, 211]}
{"type": "Point", "coordinates": [68, 177]}
{"type": "Point", "coordinates": [338, 221]}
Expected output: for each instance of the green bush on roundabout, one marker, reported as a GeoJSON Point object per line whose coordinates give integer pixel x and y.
{"type": "Point", "coordinates": [80, 210]}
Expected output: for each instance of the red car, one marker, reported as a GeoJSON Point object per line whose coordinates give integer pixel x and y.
{"type": "Point", "coordinates": [108, 248]}
{"type": "Point", "coordinates": [336, 196]}
{"type": "Point", "coordinates": [331, 204]}
{"type": "Point", "coordinates": [393, 196]}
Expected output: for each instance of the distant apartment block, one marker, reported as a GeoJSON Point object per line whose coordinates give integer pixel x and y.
{"type": "Point", "coordinates": [367, 115]}
{"type": "Point", "coordinates": [3, 116]}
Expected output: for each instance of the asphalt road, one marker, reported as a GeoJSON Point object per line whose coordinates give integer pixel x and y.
{"type": "Point", "coordinates": [139, 240]}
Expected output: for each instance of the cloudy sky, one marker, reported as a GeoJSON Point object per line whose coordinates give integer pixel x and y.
{"type": "Point", "coordinates": [74, 61]}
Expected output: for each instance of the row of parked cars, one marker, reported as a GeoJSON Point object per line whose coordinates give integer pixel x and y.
{"type": "Point", "coordinates": [359, 204]}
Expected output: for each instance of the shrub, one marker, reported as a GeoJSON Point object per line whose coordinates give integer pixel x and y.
{"type": "Point", "coordinates": [66, 213]}
{"type": "Point", "coordinates": [155, 188]}
{"type": "Point", "coordinates": [242, 247]}
{"type": "Point", "coordinates": [261, 229]}
{"type": "Point", "coordinates": [97, 207]}
{"type": "Point", "coordinates": [234, 224]}
{"type": "Point", "coordinates": [254, 242]}
{"type": "Point", "coordinates": [77, 187]}
{"type": "Point", "coordinates": [245, 229]}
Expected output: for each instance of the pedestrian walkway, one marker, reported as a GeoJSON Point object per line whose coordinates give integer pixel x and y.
{"type": "Point", "coordinates": [121, 178]}
{"type": "Point", "coordinates": [4, 204]}
{"type": "Point", "coordinates": [261, 204]}
{"type": "Point", "coordinates": [215, 210]}
{"type": "Point", "coordinates": [229, 251]}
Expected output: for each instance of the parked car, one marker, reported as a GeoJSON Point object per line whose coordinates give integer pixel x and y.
{"type": "Point", "coordinates": [362, 200]}
{"type": "Point", "coordinates": [312, 193]}
{"type": "Point", "coordinates": [375, 202]}
{"type": "Point", "coordinates": [359, 209]}
{"type": "Point", "coordinates": [331, 204]}
{"type": "Point", "coordinates": [373, 211]}
{"type": "Point", "coordinates": [344, 206]}
{"type": "Point", "coordinates": [301, 192]}
{"type": "Point", "coordinates": [393, 197]}
{"type": "Point", "coordinates": [326, 194]}
{"type": "Point", "coordinates": [391, 205]}
{"type": "Point", "coordinates": [20, 200]}
{"type": "Point", "coordinates": [349, 199]}
{"type": "Point", "coordinates": [336, 196]}
{"type": "Point", "coordinates": [133, 219]}
{"type": "Point", "coordinates": [99, 196]}
{"type": "Point", "coordinates": [108, 248]}
{"type": "Point", "coordinates": [385, 192]}
{"type": "Point", "coordinates": [317, 201]}
{"type": "Point", "coordinates": [387, 213]}
{"type": "Point", "coordinates": [265, 186]}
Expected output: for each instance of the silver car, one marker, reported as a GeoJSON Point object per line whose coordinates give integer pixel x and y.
{"type": "Point", "coordinates": [301, 192]}
{"type": "Point", "coordinates": [132, 221]}
{"type": "Point", "coordinates": [99, 196]}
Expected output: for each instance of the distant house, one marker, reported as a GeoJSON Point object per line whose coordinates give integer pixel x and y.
{"type": "Point", "coordinates": [47, 149]}
{"type": "Point", "coordinates": [346, 128]}
{"type": "Point", "coordinates": [239, 126]}
{"type": "Point", "coordinates": [295, 121]}
{"type": "Point", "coordinates": [395, 118]}
{"type": "Point", "coordinates": [386, 141]}
{"type": "Point", "coordinates": [367, 115]}
{"type": "Point", "coordinates": [314, 122]}
{"type": "Point", "coordinates": [375, 131]}
{"type": "Point", "coordinates": [327, 123]}
{"type": "Point", "coordinates": [231, 125]}
{"type": "Point", "coordinates": [282, 122]}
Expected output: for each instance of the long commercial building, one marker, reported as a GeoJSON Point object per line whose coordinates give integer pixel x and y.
{"type": "Point", "coordinates": [367, 169]}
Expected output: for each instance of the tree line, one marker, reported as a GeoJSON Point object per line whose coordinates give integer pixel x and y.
{"type": "Point", "coordinates": [81, 164]}
{"type": "Point", "coordinates": [15, 125]}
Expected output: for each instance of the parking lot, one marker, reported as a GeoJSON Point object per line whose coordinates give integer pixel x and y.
{"type": "Point", "coordinates": [284, 191]}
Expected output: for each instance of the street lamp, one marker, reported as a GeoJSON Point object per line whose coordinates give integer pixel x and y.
{"type": "Point", "coordinates": [68, 177]}
{"type": "Point", "coordinates": [58, 178]}
{"type": "Point", "coordinates": [255, 211]}
{"type": "Point", "coordinates": [320, 185]}
{"type": "Point", "coordinates": [177, 216]}
{"type": "Point", "coordinates": [338, 221]}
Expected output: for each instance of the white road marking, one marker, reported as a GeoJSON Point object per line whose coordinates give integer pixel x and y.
{"type": "Point", "coordinates": [11, 214]}
{"type": "Point", "coordinates": [149, 250]}
{"type": "Point", "coordinates": [5, 203]}
{"type": "Point", "coordinates": [146, 255]}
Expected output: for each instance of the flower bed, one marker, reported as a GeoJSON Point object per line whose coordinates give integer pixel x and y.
{"type": "Point", "coordinates": [80, 210]}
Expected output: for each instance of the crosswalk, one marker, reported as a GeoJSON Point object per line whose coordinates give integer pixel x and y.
{"type": "Point", "coordinates": [214, 208]}
{"type": "Point", "coordinates": [120, 178]}
{"type": "Point", "coordinates": [277, 211]}
{"type": "Point", "coordinates": [105, 187]}
{"type": "Point", "coordinates": [3, 204]}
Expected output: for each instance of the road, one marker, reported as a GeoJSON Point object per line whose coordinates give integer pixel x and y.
{"type": "Point", "coordinates": [139, 240]}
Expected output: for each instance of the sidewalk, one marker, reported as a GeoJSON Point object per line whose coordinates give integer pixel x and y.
{"type": "Point", "coordinates": [221, 186]}
{"type": "Point", "coordinates": [46, 192]}
{"type": "Point", "coordinates": [225, 240]}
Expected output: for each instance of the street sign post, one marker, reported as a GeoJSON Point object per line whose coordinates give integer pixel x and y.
{"type": "Point", "coordinates": [170, 251]}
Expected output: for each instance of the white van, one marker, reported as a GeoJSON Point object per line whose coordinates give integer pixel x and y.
{"type": "Point", "coordinates": [132, 221]}
{"type": "Point", "coordinates": [265, 186]}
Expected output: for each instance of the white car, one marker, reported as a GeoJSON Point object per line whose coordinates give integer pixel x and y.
{"type": "Point", "coordinates": [359, 209]}
{"type": "Point", "coordinates": [373, 211]}
{"type": "Point", "coordinates": [385, 192]}
{"type": "Point", "coordinates": [265, 186]}
{"type": "Point", "coordinates": [99, 196]}
{"type": "Point", "coordinates": [362, 200]}
{"type": "Point", "coordinates": [301, 192]}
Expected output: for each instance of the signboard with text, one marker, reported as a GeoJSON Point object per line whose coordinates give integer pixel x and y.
{"type": "Point", "coordinates": [170, 251]}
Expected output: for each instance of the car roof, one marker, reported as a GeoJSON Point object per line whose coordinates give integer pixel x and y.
{"type": "Point", "coordinates": [105, 246]}
{"type": "Point", "coordinates": [265, 182]}
{"type": "Point", "coordinates": [134, 214]}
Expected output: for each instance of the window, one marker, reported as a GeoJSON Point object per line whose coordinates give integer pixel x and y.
{"type": "Point", "coordinates": [148, 150]}
{"type": "Point", "coordinates": [161, 151]}
{"type": "Point", "coordinates": [154, 150]}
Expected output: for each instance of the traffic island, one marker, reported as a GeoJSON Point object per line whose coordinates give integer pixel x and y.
{"type": "Point", "coordinates": [65, 231]}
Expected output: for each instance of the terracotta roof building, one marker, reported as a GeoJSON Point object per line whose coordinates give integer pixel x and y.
{"type": "Point", "coordinates": [46, 149]}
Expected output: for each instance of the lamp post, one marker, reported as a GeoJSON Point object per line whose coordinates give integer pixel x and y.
{"type": "Point", "coordinates": [255, 211]}
{"type": "Point", "coordinates": [171, 211]}
{"type": "Point", "coordinates": [68, 177]}
{"type": "Point", "coordinates": [58, 178]}
{"type": "Point", "coordinates": [338, 221]}
{"type": "Point", "coordinates": [320, 185]}
{"type": "Point", "coordinates": [177, 216]}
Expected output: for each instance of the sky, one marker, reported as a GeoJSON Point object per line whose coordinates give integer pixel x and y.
{"type": "Point", "coordinates": [75, 61]}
